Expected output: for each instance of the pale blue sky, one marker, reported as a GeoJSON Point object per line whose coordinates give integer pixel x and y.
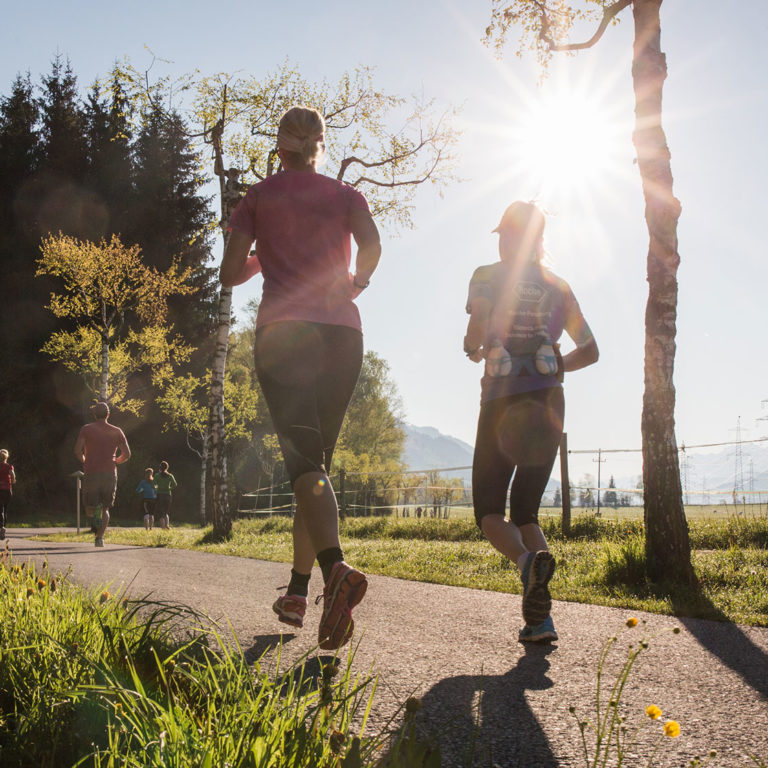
{"type": "Point", "coordinates": [715, 116]}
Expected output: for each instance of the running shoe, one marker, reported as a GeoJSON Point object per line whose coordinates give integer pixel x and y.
{"type": "Point", "coordinates": [541, 633]}
{"type": "Point", "coordinates": [537, 602]}
{"type": "Point", "coordinates": [345, 589]}
{"type": "Point", "coordinates": [290, 609]}
{"type": "Point", "coordinates": [98, 542]}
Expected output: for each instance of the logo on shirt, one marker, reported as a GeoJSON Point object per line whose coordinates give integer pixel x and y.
{"type": "Point", "coordinates": [529, 292]}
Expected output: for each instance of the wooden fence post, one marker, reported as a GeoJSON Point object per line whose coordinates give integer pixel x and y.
{"type": "Point", "coordinates": [342, 494]}
{"type": "Point", "coordinates": [565, 486]}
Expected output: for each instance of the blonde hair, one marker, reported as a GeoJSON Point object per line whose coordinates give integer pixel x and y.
{"type": "Point", "coordinates": [302, 133]}
{"type": "Point", "coordinates": [149, 472]}
{"type": "Point", "coordinates": [4, 453]}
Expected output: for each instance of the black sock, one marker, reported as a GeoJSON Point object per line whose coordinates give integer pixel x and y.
{"type": "Point", "coordinates": [299, 584]}
{"type": "Point", "coordinates": [327, 559]}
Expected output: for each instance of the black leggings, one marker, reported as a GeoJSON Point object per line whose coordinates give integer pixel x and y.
{"type": "Point", "coordinates": [5, 500]}
{"type": "Point", "coordinates": [307, 372]}
{"type": "Point", "coordinates": [519, 435]}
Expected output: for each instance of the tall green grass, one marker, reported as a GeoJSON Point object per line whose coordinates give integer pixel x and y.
{"type": "Point", "coordinates": [93, 679]}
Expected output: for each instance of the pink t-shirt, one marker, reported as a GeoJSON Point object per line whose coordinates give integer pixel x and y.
{"type": "Point", "coordinates": [101, 440]}
{"type": "Point", "coordinates": [5, 475]}
{"type": "Point", "coordinates": [301, 224]}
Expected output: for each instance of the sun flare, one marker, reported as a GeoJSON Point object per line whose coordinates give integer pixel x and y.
{"type": "Point", "coordinates": [566, 142]}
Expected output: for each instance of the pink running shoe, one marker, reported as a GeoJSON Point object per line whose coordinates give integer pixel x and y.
{"type": "Point", "coordinates": [290, 609]}
{"type": "Point", "coordinates": [345, 589]}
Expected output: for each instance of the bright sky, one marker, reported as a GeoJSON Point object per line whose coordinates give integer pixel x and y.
{"type": "Point", "coordinates": [715, 101]}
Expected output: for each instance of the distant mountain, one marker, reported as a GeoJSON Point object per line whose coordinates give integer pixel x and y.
{"type": "Point", "coordinates": [428, 448]}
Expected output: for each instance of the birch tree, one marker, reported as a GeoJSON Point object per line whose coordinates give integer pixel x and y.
{"type": "Point", "coordinates": [118, 307]}
{"type": "Point", "coordinates": [545, 26]}
{"type": "Point", "coordinates": [386, 160]}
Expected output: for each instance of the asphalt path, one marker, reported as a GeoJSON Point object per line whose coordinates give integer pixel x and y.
{"type": "Point", "coordinates": [487, 699]}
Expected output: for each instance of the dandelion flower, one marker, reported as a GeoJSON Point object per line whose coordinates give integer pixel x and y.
{"type": "Point", "coordinates": [104, 596]}
{"type": "Point", "coordinates": [632, 622]}
{"type": "Point", "coordinates": [653, 712]}
{"type": "Point", "coordinates": [672, 729]}
{"type": "Point", "coordinates": [41, 583]}
{"type": "Point", "coordinates": [30, 591]}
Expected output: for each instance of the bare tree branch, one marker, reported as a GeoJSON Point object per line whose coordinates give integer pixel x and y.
{"type": "Point", "coordinates": [608, 13]}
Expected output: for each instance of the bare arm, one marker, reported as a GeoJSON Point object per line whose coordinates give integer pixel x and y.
{"type": "Point", "coordinates": [233, 265]}
{"type": "Point", "coordinates": [125, 452]}
{"type": "Point", "coordinates": [80, 448]}
{"type": "Point", "coordinates": [368, 242]}
{"type": "Point", "coordinates": [585, 354]}
{"type": "Point", "coordinates": [13, 476]}
{"type": "Point", "coordinates": [477, 328]}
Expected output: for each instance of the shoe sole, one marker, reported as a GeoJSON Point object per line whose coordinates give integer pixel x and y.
{"type": "Point", "coordinates": [286, 617]}
{"type": "Point", "coordinates": [537, 602]}
{"type": "Point", "coordinates": [337, 635]}
{"type": "Point", "coordinates": [543, 637]}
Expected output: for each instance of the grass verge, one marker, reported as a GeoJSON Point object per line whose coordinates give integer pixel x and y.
{"type": "Point", "coordinates": [93, 679]}
{"type": "Point", "coordinates": [601, 562]}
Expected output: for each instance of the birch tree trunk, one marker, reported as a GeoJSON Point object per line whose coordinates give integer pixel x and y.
{"type": "Point", "coordinates": [668, 551]}
{"type": "Point", "coordinates": [104, 376]}
{"type": "Point", "coordinates": [222, 521]}
{"type": "Point", "coordinates": [203, 470]}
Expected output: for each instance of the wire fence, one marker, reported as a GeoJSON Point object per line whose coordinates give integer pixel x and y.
{"type": "Point", "coordinates": [602, 481]}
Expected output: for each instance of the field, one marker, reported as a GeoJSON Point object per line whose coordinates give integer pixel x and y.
{"type": "Point", "coordinates": [692, 512]}
{"type": "Point", "coordinates": [601, 562]}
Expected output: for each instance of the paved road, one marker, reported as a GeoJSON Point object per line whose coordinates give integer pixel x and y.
{"type": "Point", "coordinates": [457, 649]}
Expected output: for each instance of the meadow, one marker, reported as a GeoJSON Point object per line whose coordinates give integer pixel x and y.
{"type": "Point", "coordinates": [601, 561]}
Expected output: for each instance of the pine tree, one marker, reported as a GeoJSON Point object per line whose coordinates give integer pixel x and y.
{"type": "Point", "coordinates": [171, 218]}
{"type": "Point", "coordinates": [110, 161]}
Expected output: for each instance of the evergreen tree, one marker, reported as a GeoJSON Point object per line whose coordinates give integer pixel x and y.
{"type": "Point", "coordinates": [171, 218]}
{"type": "Point", "coordinates": [110, 162]}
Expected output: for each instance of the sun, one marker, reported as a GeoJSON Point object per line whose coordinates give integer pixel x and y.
{"type": "Point", "coordinates": [566, 142]}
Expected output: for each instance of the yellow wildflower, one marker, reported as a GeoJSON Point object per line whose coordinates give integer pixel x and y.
{"type": "Point", "coordinates": [41, 583]}
{"type": "Point", "coordinates": [672, 729]}
{"type": "Point", "coordinates": [632, 622]}
{"type": "Point", "coordinates": [653, 712]}
{"type": "Point", "coordinates": [104, 596]}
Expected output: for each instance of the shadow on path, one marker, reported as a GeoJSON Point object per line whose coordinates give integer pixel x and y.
{"type": "Point", "coordinates": [727, 642]}
{"type": "Point", "coordinates": [486, 720]}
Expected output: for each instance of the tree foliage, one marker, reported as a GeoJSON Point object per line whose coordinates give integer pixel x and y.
{"type": "Point", "coordinates": [102, 285]}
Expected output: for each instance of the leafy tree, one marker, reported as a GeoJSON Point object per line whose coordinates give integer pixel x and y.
{"type": "Point", "coordinates": [373, 424]}
{"type": "Point", "coordinates": [545, 25]}
{"type": "Point", "coordinates": [609, 497]}
{"type": "Point", "coordinates": [103, 284]}
{"type": "Point", "coordinates": [557, 499]}
{"type": "Point", "coordinates": [239, 116]}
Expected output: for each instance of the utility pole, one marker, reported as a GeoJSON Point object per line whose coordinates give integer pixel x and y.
{"type": "Point", "coordinates": [600, 461]}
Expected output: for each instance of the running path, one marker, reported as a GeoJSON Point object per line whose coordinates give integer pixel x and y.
{"type": "Point", "coordinates": [456, 648]}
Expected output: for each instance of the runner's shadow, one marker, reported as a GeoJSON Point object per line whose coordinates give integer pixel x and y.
{"type": "Point", "coordinates": [486, 720]}
{"type": "Point", "coordinates": [266, 644]}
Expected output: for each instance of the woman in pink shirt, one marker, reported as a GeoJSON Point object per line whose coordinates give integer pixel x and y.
{"type": "Point", "coordinates": [7, 479]}
{"type": "Point", "coordinates": [309, 344]}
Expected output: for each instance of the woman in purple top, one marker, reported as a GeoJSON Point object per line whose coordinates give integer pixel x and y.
{"type": "Point", "coordinates": [518, 311]}
{"type": "Point", "coordinates": [309, 345]}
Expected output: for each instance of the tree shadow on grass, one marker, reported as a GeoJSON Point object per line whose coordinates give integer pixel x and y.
{"type": "Point", "coordinates": [485, 719]}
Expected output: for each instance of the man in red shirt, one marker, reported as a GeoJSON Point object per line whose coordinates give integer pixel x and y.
{"type": "Point", "coordinates": [97, 448]}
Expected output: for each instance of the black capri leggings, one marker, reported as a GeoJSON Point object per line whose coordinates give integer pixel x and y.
{"type": "Point", "coordinates": [519, 435]}
{"type": "Point", "coordinates": [307, 372]}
